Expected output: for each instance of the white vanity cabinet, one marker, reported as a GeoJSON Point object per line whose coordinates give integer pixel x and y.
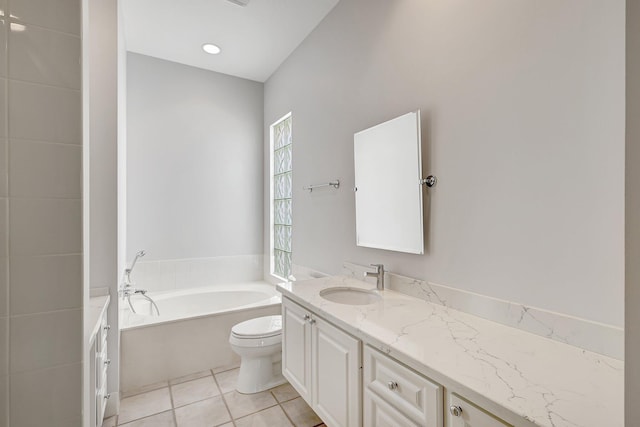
{"type": "Point", "coordinates": [395, 395]}
{"type": "Point", "coordinates": [101, 368]}
{"type": "Point", "coordinates": [323, 363]}
{"type": "Point", "coordinates": [98, 331]}
{"type": "Point", "coordinates": [462, 413]}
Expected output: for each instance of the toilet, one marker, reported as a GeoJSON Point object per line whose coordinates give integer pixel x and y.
{"type": "Point", "coordinates": [258, 342]}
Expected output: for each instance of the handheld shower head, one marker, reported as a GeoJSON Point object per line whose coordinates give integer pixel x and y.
{"type": "Point", "coordinates": [140, 254]}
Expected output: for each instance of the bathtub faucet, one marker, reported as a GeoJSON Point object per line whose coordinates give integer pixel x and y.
{"type": "Point", "coordinates": [128, 290]}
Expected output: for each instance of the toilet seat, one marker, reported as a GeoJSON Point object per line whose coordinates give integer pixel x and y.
{"type": "Point", "coordinates": [258, 332]}
{"type": "Point", "coordinates": [260, 327]}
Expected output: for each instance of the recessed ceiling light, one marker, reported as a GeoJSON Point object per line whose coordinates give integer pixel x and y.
{"type": "Point", "coordinates": [211, 48]}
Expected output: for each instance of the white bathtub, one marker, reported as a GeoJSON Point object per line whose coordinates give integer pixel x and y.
{"type": "Point", "coordinates": [191, 334]}
{"type": "Point", "coordinates": [197, 302]}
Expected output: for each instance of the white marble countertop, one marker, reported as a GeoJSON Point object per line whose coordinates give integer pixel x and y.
{"type": "Point", "coordinates": [97, 306]}
{"type": "Point", "coordinates": [538, 381]}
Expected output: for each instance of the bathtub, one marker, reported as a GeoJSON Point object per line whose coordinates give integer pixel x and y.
{"type": "Point", "coordinates": [191, 334]}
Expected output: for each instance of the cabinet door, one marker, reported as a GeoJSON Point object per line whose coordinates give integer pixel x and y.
{"type": "Point", "coordinates": [378, 413]}
{"type": "Point", "coordinates": [336, 375]}
{"type": "Point", "coordinates": [296, 348]}
{"type": "Point", "coordinates": [470, 415]}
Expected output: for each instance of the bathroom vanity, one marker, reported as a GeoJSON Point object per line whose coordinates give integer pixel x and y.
{"type": "Point", "coordinates": [402, 361]}
{"type": "Point", "coordinates": [97, 330]}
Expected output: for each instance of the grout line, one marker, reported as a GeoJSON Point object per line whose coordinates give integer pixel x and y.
{"type": "Point", "coordinates": [223, 399]}
{"type": "Point", "coordinates": [48, 85]}
{"type": "Point", "coordinates": [41, 313]}
{"type": "Point", "coordinates": [173, 407]}
{"type": "Point", "coordinates": [137, 419]}
{"type": "Point", "coordinates": [197, 401]}
{"type": "Point", "coordinates": [11, 19]}
{"type": "Point", "coordinates": [19, 140]}
{"type": "Point", "coordinates": [285, 412]}
{"type": "Point", "coordinates": [143, 391]}
{"type": "Point", "coordinates": [255, 412]}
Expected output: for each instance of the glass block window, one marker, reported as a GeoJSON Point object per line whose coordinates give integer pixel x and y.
{"type": "Point", "coordinates": [281, 191]}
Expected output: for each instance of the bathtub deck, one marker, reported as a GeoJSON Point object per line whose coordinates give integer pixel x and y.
{"type": "Point", "coordinates": [208, 398]}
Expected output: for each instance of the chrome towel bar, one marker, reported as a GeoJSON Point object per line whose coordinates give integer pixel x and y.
{"type": "Point", "coordinates": [334, 184]}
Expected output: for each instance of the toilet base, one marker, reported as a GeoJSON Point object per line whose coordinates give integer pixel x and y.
{"type": "Point", "coordinates": [259, 374]}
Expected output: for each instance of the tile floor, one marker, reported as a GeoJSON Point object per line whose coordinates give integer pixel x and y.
{"type": "Point", "coordinates": [209, 399]}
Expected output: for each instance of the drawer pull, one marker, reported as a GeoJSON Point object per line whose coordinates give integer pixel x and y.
{"type": "Point", "coordinates": [307, 317]}
{"type": "Point", "coordinates": [312, 321]}
{"type": "Point", "coordinates": [107, 396]}
{"type": "Point", "coordinates": [392, 385]}
{"type": "Point", "coordinates": [106, 327]}
{"type": "Point", "coordinates": [107, 362]}
{"type": "Point", "coordinates": [456, 411]}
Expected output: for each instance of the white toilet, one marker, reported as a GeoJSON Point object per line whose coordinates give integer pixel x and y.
{"type": "Point", "coordinates": [258, 342]}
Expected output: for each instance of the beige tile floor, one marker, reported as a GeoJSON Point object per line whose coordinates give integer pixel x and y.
{"type": "Point", "coordinates": [209, 399]}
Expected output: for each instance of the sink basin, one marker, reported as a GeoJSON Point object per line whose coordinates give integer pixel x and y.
{"type": "Point", "coordinates": [350, 296]}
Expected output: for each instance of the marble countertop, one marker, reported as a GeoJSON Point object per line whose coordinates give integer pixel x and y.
{"type": "Point", "coordinates": [97, 306]}
{"type": "Point", "coordinates": [538, 381]}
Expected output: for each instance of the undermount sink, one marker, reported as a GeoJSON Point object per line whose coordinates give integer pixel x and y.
{"type": "Point", "coordinates": [350, 296]}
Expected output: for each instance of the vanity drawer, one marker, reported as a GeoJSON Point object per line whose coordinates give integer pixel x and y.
{"type": "Point", "coordinates": [378, 413]}
{"type": "Point", "coordinates": [412, 394]}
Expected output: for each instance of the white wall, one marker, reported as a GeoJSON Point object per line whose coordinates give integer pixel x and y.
{"type": "Point", "coordinates": [102, 166]}
{"type": "Point", "coordinates": [523, 124]}
{"type": "Point", "coordinates": [632, 321]}
{"type": "Point", "coordinates": [194, 161]}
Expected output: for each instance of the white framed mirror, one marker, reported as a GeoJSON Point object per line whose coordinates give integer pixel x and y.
{"type": "Point", "coordinates": [388, 189]}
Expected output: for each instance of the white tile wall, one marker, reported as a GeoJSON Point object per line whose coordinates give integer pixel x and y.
{"type": "Point", "coordinates": [40, 213]}
{"type": "Point", "coordinates": [45, 283]}
{"type": "Point", "coordinates": [3, 107]}
{"type": "Point", "coordinates": [59, 169]}
{"type": "Point", "coordinates": [167, 275]}
{"type": "Point", "coordinates": [3, 42]}
{"type": "Point", "coordinates": [48, 397]}
{"type": "Point", "coordinates": [53, 340]}
{"type": "Point", "coordinates": [4, 173]}
{"type": "Point", "coordinates": [4, 289]}
{"type": "Point", "coordinates": [4, 341]}
{"type": "Point", "coordinates": [61, 15]}
{"type": "Point", "coordinates": [4, 401]}
{"type": "Point", "coordinates": [45, 226]}
{"type": "Point", "coordinates": [44, 113]}
{"type": "Point", "coordinates": [43, 56]}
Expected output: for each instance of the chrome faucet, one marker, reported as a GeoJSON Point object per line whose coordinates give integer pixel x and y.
{"type": "Point", "coordinates": [379, 275]}
{"type": "Point", "coordinates": [128, 290]}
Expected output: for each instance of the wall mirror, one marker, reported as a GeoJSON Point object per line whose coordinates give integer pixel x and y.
{"type": "Point", "coordinates": [388, 189]}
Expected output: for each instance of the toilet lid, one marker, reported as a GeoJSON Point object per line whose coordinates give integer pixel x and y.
{"type": "Point", "coordinates": [267, 326]}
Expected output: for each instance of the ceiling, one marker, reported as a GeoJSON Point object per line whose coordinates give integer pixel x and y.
{"type": "Point", "coordinates": [254, 39]}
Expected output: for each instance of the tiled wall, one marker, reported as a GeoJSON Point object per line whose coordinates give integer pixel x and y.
{"type": "Point", "coordinates": [40, 213]}
{"type": "Point", "coordinates": [174, 274]}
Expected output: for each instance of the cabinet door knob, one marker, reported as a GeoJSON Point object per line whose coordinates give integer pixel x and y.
{"type": "Point", "coordinates": [312, 321]}
{"type": "Point", "coordinates": [107, 396]}
{"type": "Point", "coordinates": [107, 327]}
{"type": "Point", "coordinates": [392, 385]}
{"type": "Point", "coordinates": [307, 317]}
{"type": "Point", "coordinates": [456, 411]}
{"type": "Point", "coordinates": [107, 362]}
